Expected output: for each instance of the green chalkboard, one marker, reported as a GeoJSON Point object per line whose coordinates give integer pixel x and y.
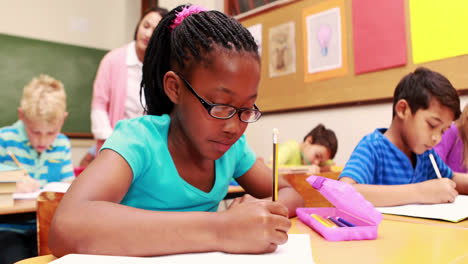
{"type": "Point", "coordinates": [22, 59]}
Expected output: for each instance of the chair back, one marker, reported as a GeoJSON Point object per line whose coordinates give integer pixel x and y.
{"type": "Point", "coordinates": [47, 202]}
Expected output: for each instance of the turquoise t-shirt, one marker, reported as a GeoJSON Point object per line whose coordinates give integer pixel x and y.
{"type": "Point", "coordinates": [156, 184]}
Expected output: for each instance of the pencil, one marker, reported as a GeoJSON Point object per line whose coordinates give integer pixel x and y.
{"type": "Point", "coordinates": [322, 220]}
{"type": "Point", "coordinates": [17, 162]}
{"type": "Point", "coordinates": [434, 164]}
{"type": "Point", "coordinates": [275, 164]}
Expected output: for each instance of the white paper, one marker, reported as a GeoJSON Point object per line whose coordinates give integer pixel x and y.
{"type": "Point", "coordinates": [454, 212]}
{"type": "Point", "coordinates": [296, 251]}
{"type": "Point", "coordinates": [49, 187]}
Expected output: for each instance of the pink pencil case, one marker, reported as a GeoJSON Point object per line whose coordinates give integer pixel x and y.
{"type": "Point", "coordinates": [349, 205]}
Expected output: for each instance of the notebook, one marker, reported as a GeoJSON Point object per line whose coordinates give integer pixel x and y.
{"type": "Point", "coordinates": [453, 212]}
{"type": "Point", "coordinates": [49, 187]}
{"type": "Point", "coordinates": [296, 251]}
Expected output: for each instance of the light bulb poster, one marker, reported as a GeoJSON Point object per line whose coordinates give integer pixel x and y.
{"type": "Point", "coordinates": [282, 50]}
{"type": "Point", "coordinates": [325, 41]}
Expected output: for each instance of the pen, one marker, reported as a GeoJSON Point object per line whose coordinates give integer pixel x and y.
{"type": "Point", "coordinates": [345, 222]}
{"type": "Point", "coordinates": [275, 164]}
{"type": "Point", "coordinates": [339, 224]}
{"type": "Point", "coordinates": [434, 164]}
{"type": "Point", "coordinates": [17, 162]}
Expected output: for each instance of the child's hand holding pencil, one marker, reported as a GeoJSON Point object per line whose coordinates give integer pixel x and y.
{"type": "Point", "coordinates": [27, 184]}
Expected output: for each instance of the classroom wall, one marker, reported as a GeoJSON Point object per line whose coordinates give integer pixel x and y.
{"type": "Point", "coordinates": [104, 24]}
{"type": "Point", "coordinates": [208, 4]}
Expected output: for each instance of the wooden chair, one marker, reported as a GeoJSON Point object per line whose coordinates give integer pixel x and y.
{"type": "Point", "coordinates": [312, 197]}
{"type": "Point", "coordinates": [47, 202]}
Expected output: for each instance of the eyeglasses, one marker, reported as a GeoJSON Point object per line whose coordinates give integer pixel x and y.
{"type": "Point", "coordinates": [225, 111]}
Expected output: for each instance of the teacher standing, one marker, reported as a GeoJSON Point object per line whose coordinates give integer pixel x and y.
{"type": "Point", "coordinates": [116, 91]}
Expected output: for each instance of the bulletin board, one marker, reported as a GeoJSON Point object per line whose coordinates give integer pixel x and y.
{"type": "Point", "coordinates": [291, 92]}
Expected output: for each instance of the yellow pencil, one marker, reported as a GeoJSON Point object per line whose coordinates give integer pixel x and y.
{"type": "Point", "coordinates": [17, 162]}
{"type": "Point", "coordinates": [275, 164]}
{"type": "Point", "coordinates": [321, 220]}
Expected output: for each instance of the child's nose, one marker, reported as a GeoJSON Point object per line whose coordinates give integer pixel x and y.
{"type": "Point", "coordinates": [232, 125]}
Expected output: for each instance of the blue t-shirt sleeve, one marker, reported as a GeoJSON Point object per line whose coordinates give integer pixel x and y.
{"type": "Point", "coordinates": [361, 165]}
{"type": "Point", "coordinates": [245, 157]}
{"type": "Point", "coordinates": [131, 147]}
{"type": "Point", "coordinates": [445, 170]}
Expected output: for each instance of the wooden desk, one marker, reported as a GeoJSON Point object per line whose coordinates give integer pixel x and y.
{"type": "Point", "coordinates": [38, 260]}
{"type": "Point", "coordinates": [23, 210]}
{"type": "Point", "coordinates": [398, 242]}
{"type": "Point", "coordinates": [21, 206]}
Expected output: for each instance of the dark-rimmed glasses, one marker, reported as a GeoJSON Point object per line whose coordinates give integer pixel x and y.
{"type": "Point", "coordinates": [225, 111]}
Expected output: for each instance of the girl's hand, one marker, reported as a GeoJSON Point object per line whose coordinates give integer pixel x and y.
{"type": "Point", "coordinates": [27, 184]}
{"type": "Point", "coordinates": [437, 191]}
{"type": "Point", "coordinates": [254, 226]}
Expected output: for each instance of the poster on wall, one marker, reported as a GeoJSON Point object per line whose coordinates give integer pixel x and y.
{"type": "Point", "coordinates": [385, 21]}
{"type": "Point", "coordinates": [282, 50]}
{"type": "Point", "coordinates": [325, 41]}
{"type": "Point", "coordinates": [438, 31]}
{"type": "Point", "coordinates": [256, 31]}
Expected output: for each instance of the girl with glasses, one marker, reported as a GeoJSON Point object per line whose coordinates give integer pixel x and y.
{"type": "Point", "coordinates": [156, 185]}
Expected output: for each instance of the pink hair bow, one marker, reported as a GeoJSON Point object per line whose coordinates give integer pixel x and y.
{"type": "Point", "coordinates": [185, 12]}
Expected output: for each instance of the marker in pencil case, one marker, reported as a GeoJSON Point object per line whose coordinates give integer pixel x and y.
{"type": "Point", "coordinates": [339, 224]}
{"type": "Point", "coordinates": [345, 222]}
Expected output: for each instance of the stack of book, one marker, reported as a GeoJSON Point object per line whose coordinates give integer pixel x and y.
{"type": "Point", "coordinates": [8, 178]}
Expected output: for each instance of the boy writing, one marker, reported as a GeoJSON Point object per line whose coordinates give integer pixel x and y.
{"type": "Point", "coordinates": [392, 166]}
{"type": "Point", "coordinates": [41, 150]}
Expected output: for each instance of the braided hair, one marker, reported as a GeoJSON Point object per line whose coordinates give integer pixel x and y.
{"type": "Point", "coordinates": [187, 45]}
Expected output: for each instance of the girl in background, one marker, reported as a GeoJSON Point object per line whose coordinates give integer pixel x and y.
{"type": "Point", "coordinates": [453, 147]}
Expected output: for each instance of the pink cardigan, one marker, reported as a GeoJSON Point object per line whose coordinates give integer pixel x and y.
{"type": "Point", "coordinates": [110, 85]}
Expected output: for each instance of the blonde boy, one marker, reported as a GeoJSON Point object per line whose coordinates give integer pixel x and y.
{"type": "Point", "coordinates": [35, 139]}
{"type": "Point", "coordinates": [392, 166]}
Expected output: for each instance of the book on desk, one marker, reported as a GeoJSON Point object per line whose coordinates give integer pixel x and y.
{"type": "Point", "coordinates": [9, 176]}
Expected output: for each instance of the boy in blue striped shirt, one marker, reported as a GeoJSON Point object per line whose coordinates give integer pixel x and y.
{"type": "Point", "coordinates": [392, 166]}
{"type": "Point", "coordinates": [35, 140]}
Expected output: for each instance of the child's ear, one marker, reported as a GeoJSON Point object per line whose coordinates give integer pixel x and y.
{"type": "Point", "coordinates": [20, 114]}
{"type": "Point", "coordinates": [172, 86]}
{"type": "Point", "coordinates": [402, 109]}
{"type": "Point", "coordinates": [309, 140]}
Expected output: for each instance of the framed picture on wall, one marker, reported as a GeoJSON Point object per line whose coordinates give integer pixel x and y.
{"type": "Point", "coordinates": [325, 41]}
{"type": "Point", "coordinates": [282, 50]}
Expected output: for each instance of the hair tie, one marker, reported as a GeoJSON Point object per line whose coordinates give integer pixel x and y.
{"type": "Point", "coordinates": [185, 12]}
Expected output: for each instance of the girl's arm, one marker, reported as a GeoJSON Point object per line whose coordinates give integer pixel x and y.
{"type": "Point", "coordinates": [90, 220]}
{"type": "Point", "coordinates": [258, 182]}
{"type": "Point", "coordinates": [461, 179]}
